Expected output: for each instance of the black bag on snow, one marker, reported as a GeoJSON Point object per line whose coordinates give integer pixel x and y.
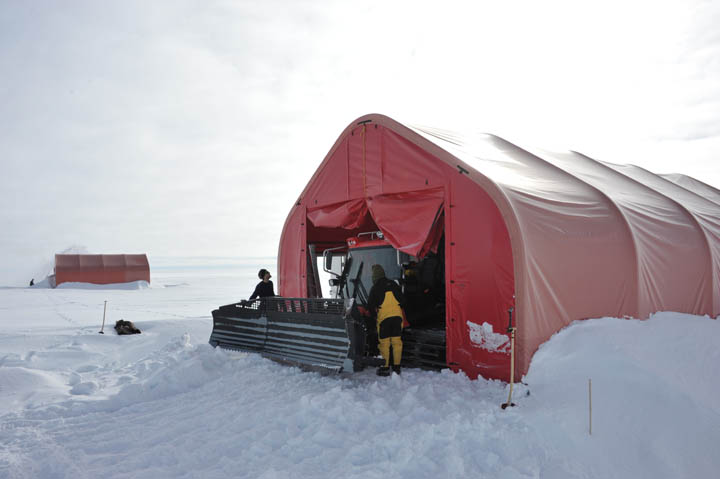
{"type": "Point", "coordinates": [126, 327]}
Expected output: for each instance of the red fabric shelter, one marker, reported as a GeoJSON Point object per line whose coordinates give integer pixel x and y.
{"type": "Point", "coordinates": [101, 268]}
{"type": "Point", "coordinates": [556, 236]}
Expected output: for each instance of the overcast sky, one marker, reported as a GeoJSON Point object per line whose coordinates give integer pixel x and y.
{"type": "Point", "coordinates": [189, 128]}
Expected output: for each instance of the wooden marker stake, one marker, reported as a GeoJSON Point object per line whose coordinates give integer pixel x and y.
{"type": "Point", "coordinates": [103, 324]}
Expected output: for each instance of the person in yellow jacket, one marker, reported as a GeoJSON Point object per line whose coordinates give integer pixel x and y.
{"type": "Point", "coordinates": [386, 302]}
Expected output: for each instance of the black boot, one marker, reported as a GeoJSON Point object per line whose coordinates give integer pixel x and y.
{"type": "Point", "coordinates": [396, 369]}
{"type": "Point", "coordinates": [383, 371]}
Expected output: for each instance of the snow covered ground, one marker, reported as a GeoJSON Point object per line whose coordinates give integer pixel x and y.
{"type": "Point", "coordinates": [74, 403]}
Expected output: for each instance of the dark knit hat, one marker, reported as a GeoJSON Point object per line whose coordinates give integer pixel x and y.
{"type": "Point", "coordinates": [262, 273]}
{"type": "Point", "coordinates": [377, 273]}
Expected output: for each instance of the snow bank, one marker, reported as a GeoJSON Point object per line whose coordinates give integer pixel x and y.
{"type": "Point", "coordinates": [45, 283]}
{"type": "Point", "coordinates": [656, 395]}
{"type": "Point", "coordinates": [166, 404]}
{"type": "Point", "coordinates": [131, 285]}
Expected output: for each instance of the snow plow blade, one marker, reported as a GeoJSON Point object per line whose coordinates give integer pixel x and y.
{"type": "Point", "coordinates": [318, 334]}
{"type": "Point", "coordinates": [308, 332]}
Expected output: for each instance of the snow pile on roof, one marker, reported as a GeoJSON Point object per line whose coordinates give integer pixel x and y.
{"type": "Point", "coordinates": [74, 403]}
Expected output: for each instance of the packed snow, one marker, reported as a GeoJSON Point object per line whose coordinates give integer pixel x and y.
{"type": "Point", "coordinates": [75, 403]}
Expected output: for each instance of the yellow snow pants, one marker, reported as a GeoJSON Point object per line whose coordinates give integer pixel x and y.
{"type": "Point", "coordinates": [389, 331]}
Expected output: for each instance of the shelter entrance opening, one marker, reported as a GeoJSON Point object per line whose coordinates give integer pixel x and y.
{"type": "Point", "coordinates": [422, 281]}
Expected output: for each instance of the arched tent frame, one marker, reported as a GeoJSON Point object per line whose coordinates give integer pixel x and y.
{"type": "Point", "coordinates": [557, 236]}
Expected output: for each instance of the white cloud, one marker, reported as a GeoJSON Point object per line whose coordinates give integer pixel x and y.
{"type": "Point", "coordinates": [191, 127]}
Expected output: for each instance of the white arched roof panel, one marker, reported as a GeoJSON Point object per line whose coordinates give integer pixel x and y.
{"type": "Point", "coordinates": [695, 186]}
{"type": "Point", "coordinates": [673, 259]}
{"type": "Point", "coordinates": [705, 212]}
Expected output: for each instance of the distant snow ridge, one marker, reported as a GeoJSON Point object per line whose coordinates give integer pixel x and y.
{"type": "Point", "coordinates": [485, 338]}
{"type": "Point", "coordinates": [75, 249]}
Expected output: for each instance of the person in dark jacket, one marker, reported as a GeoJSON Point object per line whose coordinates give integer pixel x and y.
{"type": "Point", "coordinates": [386, 301]}
{"type": "Point", "coordinates": [264, 288]}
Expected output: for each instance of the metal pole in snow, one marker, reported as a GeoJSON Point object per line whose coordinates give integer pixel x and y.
{"type": "Point", "coordinates": [511, 330]}
{"type": "Point", "coordinates": [103, 324]}
{"type": "Point", "coordinates": [590, 404]}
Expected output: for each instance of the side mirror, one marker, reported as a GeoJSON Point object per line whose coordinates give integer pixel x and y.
{"type": "Point", "coordinates": [327, 260]}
